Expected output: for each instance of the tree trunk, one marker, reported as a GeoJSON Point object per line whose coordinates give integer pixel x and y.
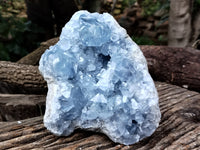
{"type": "Point", "coordinates": [92, 5]}
{"type": "Point", "coordinates": [179, 128]}
{"type": "Point", "coordinates": [17, 107]}
{"type": "Point", "coordinates": [179, 23]}
{"type": "Point", "coordinates": [18, 78]}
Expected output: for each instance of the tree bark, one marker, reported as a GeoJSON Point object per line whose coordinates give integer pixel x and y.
{"type": "Point", "coordinates": [17, 107]}
{"type": "Point", "coordinates": [18, 78]}
{"type": "Point", "coordinates": [179, 128]}
{"type": "Point", "coordinates": [179, 23]}
{"type": "Point", "coordinates": [179, 66]}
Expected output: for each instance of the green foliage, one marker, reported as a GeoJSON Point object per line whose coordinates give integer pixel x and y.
{"type": "Point", "coordinates": [150, 6]}
{"type": "Point", "coordinates": [17, 35]}
{"type": "Point", "coordinates": [143, 40]}
{"type": "Point", "coordinates": [198, 2]}
{"type": "Point", "coordinates": [162, 39]}
{"type": "Point", "coordinates": [128, 2]}
{"type": "Point", "coordinates": [196, 7]}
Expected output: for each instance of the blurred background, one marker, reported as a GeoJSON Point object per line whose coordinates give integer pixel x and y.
{"type": "Point", "coordinates": [24, 24]}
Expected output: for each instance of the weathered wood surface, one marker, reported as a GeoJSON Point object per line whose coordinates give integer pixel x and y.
{"type": "Point", "coordinates": [18, 106]}
{"type": "Point", "coordinates": [179, 128]}
{"type": "Point", "coordinates": [173, 65]}
{"type": "Point", "coordinates": [179, 66]}
{"type": "Point", "coordinates": [18, 78]}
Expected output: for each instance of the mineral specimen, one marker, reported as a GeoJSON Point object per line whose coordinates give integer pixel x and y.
{"type": "Point", "coordinates": [98, 80]}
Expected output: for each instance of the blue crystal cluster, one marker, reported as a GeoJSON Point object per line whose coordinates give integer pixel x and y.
{"type": "Point", "coordinates": [98, 80]}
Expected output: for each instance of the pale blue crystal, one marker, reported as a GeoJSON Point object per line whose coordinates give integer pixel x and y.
{"type": "Point", "coordinates": [98, 80]}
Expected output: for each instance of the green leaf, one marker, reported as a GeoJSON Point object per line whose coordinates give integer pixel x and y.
{"type": "Point", "coordinates": [142, 40]}
{"type": "Point", "coordinates": [3, 53]}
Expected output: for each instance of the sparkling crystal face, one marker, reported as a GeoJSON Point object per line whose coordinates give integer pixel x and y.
{"type": "Point", "coordinates": [98, 80]}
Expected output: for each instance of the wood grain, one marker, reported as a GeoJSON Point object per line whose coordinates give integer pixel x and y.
{"type": "Point", "coordinates": [179, 129]}
{"type": "Point", "coordinates": [21, 79]}
{"type": "Point", "coordinates": [178, 66]}
{"type": "Point", "coordinates": [19, 106]}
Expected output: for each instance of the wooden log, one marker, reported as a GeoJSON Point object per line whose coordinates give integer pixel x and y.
{"type": "Point", "coordinates": [17, 107]}
{"type": "Point", "coordinates": [179, 128]}
{"type": "Point", "coordinates": [179, 66]}
{"type": "Point", "coordinates": [18, 78]}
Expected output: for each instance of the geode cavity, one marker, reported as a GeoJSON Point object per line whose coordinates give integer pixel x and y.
{"type": "Point", "coordinates": [98, 80]}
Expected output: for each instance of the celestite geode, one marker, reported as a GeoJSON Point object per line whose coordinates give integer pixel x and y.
{"type": "Point", "coordinates": [98, 80]}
